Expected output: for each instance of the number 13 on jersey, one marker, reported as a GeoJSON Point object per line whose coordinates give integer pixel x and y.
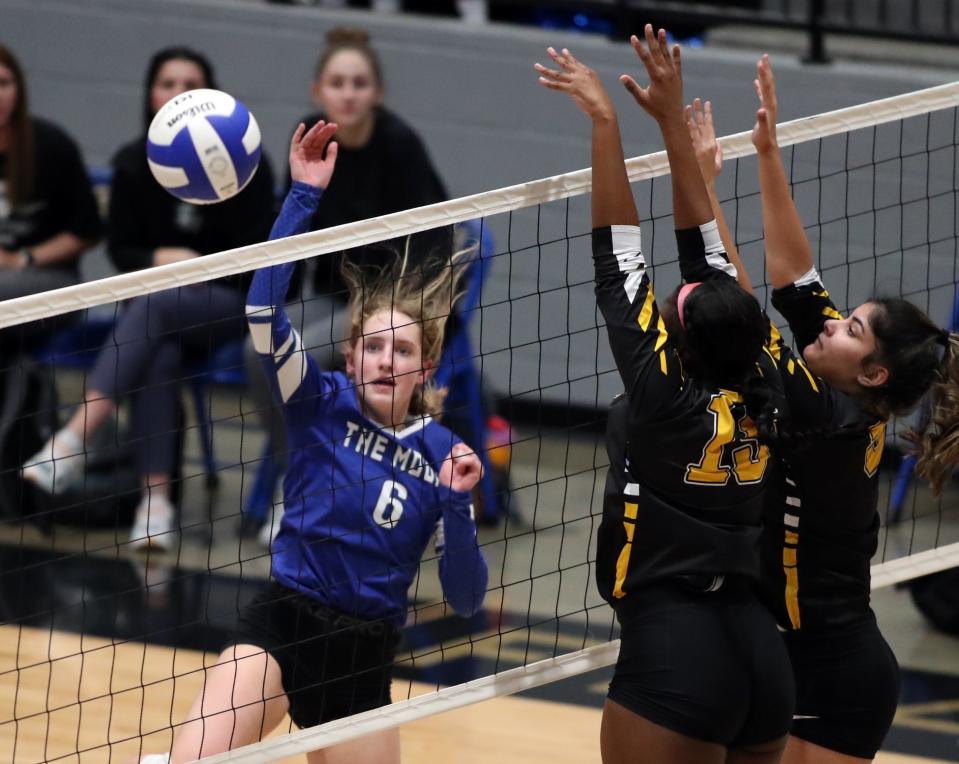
{"type": "Point", "coordinates": [746, 459]}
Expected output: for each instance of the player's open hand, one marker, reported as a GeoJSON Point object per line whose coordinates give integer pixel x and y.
{"type": "Point", "coordinates": [709, 151]}
{"type": "Point", "coordinates": [313, 154]}
{"type": "Point", "coordinates": [580, 82]}
{"type": "Point", "coordinates": [764, 131]}
{"type": "Point", "coordinates": [663, 99]}
{"type": "Point", "coordinates": [461, 469]}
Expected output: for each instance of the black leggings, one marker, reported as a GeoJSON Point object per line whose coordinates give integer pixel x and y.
{"type": "Point", "coordinates": [156, 338]}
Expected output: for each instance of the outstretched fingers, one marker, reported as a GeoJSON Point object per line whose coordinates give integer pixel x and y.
{"type": "Point", "coordinates": [319, 135]}
{"type": "Point", "coordinates": [557, 79]}
{"type": "Point", "coordinates": [656, 43]}
{"type": "Point", "coordinates": [550, 77]}
{"type": "Point", "coordinates": [677, 56]}
{"type": "Point", "coordinates": [297, 135]}
{"type": "Point", "coordinates": [766, 83]}
{"type": "Point", "coordinates": [640, 94]}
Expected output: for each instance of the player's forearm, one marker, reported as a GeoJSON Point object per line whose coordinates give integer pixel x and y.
{"type": "Point", "coordinates": [612, 197]}
{"type": "Point", "coordinates": [690, 200]}
{"type": "Point", "coordinates": [269, 325]}
{"type": "Point", "coordinates": [463, 571]}
{"type": "Point", "coordinates": [729, 244]}
{"type": "Point", "coordinates": [788, 255]}
{"type": "Point", "coordinates": [59, 249]}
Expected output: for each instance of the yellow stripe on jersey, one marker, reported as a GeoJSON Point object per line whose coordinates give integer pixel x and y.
{"type": "Point", "coordinates": [791, 368]}
{"type": "Point", "coordinates": [622, 562]}
{"type": "Point", "coordinates": [775, 343]}
{"type": "Point", "coordinates": [877, 441]}
{"type": "Point", "coordinates": [791, 570]}
{"type": "Point", "coordinates": [662, 362]}
{"type": "Point", "coordinates": [812, 380]}
{"type": "Point", "coordinates": [830, 312]}
{"type": "Point", "coordinates": [646, 314]}
{"type": "Point", "coordinates": [661, 340]}
{"type": "Point", "coordinates": [792, 596]}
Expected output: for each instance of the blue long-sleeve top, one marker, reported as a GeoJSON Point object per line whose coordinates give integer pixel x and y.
{"type": "Point", "coordinates": [362, 500]}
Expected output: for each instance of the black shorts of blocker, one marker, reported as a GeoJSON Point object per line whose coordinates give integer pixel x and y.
{"type": "Point", "coordinates": [847, 687]}
{"type": "Point", "coordinates": [709, 665]}
{"type": "Point", "coordinates": [333, 664]}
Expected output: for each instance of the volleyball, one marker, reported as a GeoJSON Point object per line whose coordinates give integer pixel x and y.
{"type": "Point", "coordinates": [203, 146]}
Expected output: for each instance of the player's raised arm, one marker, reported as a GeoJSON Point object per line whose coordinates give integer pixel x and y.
{"type": "Point", "coordinates": [788, 255]}
{"type": "Point", "coordinates": [613, 202]}
{"type": "Point", "coordinates": [624, 294]}
{"type": "Point", "coordinates": [709, 154]}
{"type": "Point", "coordinates": [312, 158]}
{"type": "Point", "coordinates": [662, 99]}
{"type": "Point", "coordinates": [701, 254]}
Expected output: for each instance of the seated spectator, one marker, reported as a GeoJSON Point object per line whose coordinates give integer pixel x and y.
{"type": "Point", "coordinates": [48, 215]}
{"type": "Point", "coordinates": [158, 336]}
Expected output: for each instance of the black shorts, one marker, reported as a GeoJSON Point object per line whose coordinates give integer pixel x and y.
{"type": "Point", "coordinates": [333, 665]}
{"type": "Point", "coordinates": [847, 688]}
{"type": "Point", "coordinates": [708, 665]}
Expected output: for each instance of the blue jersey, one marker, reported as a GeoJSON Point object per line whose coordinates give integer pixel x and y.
{"type": "Point", "coordinates": [362, 500]}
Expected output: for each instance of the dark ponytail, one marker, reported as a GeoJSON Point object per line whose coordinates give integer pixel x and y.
{"type": "Point", "coordinates": [761, 407]}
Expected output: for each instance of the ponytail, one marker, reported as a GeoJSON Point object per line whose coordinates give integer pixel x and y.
{"type": "Point", "coordinates": [936, 442]}
{"type": "Point", "coordinates": [761, 407]}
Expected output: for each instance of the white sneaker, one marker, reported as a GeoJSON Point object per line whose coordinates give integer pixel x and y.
{"type": "Point", "coordinates": [58, 465]}
{"type": "Point", "coordinates": [153, 526]}
{"type": "Point", "coordinates": [273, 518]}
{"type": "Point", "coordinates": [156, 758]}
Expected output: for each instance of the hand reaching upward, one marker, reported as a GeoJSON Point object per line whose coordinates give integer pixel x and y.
{"type": "Point", "coordinates": [578, 81]}
{"type": "Point", "coordinates": [709, 151]}
{"type": "Point", "coordinates": [313, 154]}
{"type": "Point", "coordinates": [764, 131]}
{"type": "Point", "coordinates": [663, 98]}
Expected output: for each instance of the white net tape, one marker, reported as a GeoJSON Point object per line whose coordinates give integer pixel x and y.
{"type": "Point", "coordinates": [243, 259]}
{"type": "Point", "coordinates": [514, 680]}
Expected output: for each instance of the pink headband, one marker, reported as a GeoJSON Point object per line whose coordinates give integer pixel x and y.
{"type": "Point", "coordinates": [684, 291]}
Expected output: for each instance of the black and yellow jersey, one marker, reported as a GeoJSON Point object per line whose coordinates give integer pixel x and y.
{"type": "Point", "coordinates": [820, 521]}
{"type": "Point", "coordinates": [690, 499]}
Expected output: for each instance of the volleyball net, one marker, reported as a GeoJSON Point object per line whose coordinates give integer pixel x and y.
{"type": "Point", "coordinates": [876, 186]}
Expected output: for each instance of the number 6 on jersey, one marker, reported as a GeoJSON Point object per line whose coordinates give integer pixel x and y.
{"type": "Point", "coordinates": [389, 507]}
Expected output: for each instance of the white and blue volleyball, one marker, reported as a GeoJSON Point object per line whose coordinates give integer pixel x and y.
{"type": "Point", "coordinates": [203, 146]}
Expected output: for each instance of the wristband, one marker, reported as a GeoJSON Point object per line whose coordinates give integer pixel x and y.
{"type": "Point", "coordinates": [27, 255]}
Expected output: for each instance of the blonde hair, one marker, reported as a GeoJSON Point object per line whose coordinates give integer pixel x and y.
{"type": "Point", "coordinates": [426, 292]}
{"type": "Point", "coordinates": [936, 444]}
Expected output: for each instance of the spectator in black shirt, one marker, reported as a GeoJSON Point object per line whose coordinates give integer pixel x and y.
{"type": "Point", "coordinates": [159, 335]}
{"type": "Point", "coordinates": [48, 215]}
